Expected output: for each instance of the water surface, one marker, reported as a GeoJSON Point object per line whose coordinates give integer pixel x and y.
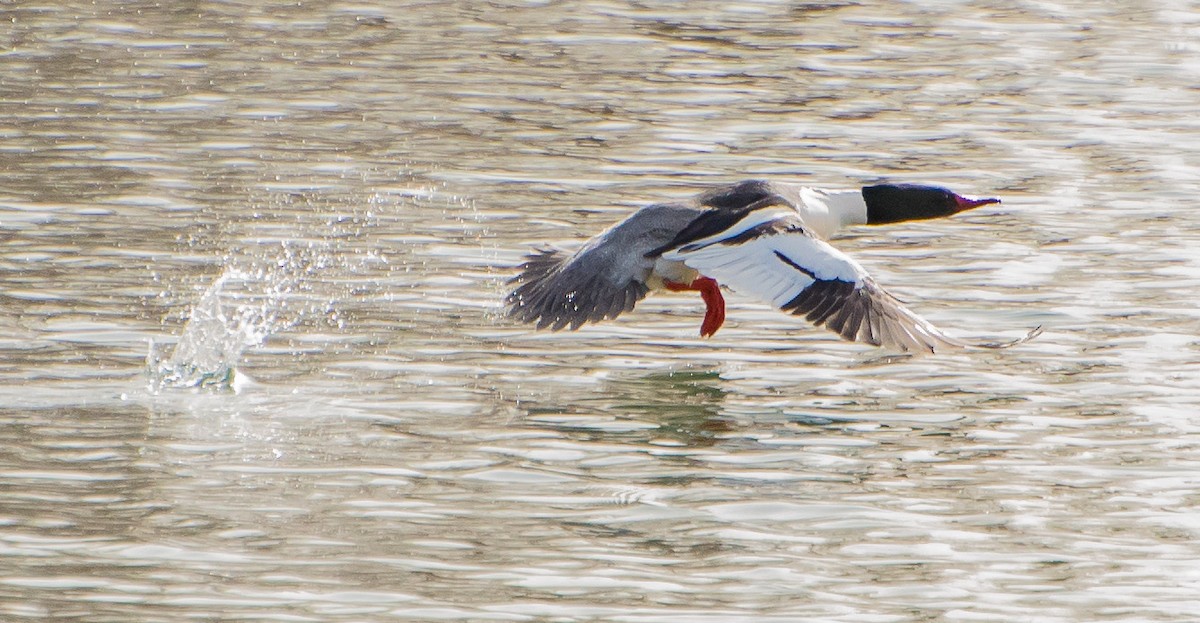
{"type": "Point", "coordinates": [252, 365]}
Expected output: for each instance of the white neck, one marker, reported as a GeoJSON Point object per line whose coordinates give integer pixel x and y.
{"type": "Point", "coordinates": [825, 210]}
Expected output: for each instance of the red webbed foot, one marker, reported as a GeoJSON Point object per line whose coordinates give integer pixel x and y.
{"type": "Point", "coordinates": [710, 292]}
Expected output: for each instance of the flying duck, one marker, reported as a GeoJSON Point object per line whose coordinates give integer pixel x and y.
{"type": "Point", "coordinates": [766, 240]}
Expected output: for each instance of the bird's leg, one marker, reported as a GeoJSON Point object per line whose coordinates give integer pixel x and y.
{"type": "Point", "coordinates": [714, 314]}
{"type": "Point", "coordinates": [710, 291]}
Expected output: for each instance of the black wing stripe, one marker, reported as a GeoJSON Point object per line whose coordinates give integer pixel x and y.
{"type": "Point", "coordinates": [713, 222]}
{"type": "Point", "coordinates": [787, 260]}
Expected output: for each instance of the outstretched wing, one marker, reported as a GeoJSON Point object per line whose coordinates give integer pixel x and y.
{"type": "Point", "coordinates": [772, 257]}
{"type": "Point", "coordinates": [604, 279]}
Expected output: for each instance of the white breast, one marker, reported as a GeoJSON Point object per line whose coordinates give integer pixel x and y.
{"type": "Point", "coordinates": [670, 270]}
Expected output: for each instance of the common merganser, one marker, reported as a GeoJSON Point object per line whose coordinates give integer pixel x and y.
{"type": "Point", "coordinates": [763, 239]}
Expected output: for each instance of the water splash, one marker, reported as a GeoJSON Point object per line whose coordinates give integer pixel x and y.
{"type": "Point", "coordinates": [243, 307]}
{"type": "Point", "coordinates": [301, 265]}
{"type": "Point", "coordinates": [206, 353]}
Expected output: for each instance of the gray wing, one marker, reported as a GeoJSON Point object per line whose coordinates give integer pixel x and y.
{"type": "Point", "coordinates": [600, 281]}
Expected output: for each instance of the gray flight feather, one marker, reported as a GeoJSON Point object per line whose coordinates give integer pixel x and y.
{"type": "Point", "coordinates": [603, 279]}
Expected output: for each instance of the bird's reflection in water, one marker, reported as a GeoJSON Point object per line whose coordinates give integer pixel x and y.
{"type": "Point", "coordinates": [683, 406]}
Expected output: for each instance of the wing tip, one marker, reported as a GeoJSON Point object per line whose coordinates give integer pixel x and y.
{"type": "Point", "coordinates": [944, 340]}
{"type": "Point", "coordinates": [1033, 333]}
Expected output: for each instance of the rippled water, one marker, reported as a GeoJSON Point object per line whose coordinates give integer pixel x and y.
{"type": "Point", "coordinates": [252, 366]}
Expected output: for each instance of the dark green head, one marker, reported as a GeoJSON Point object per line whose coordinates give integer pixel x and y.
{"type": "Point", "coordinates": [893, 203]}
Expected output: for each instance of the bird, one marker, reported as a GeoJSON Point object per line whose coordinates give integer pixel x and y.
{"type": "Point", "coordinates": [764, 239]}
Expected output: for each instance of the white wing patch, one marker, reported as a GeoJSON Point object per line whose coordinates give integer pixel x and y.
{"type": "Point", "coordinates": [777, 261]}
{"type": "Point", "coordinates": [774, 267]}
